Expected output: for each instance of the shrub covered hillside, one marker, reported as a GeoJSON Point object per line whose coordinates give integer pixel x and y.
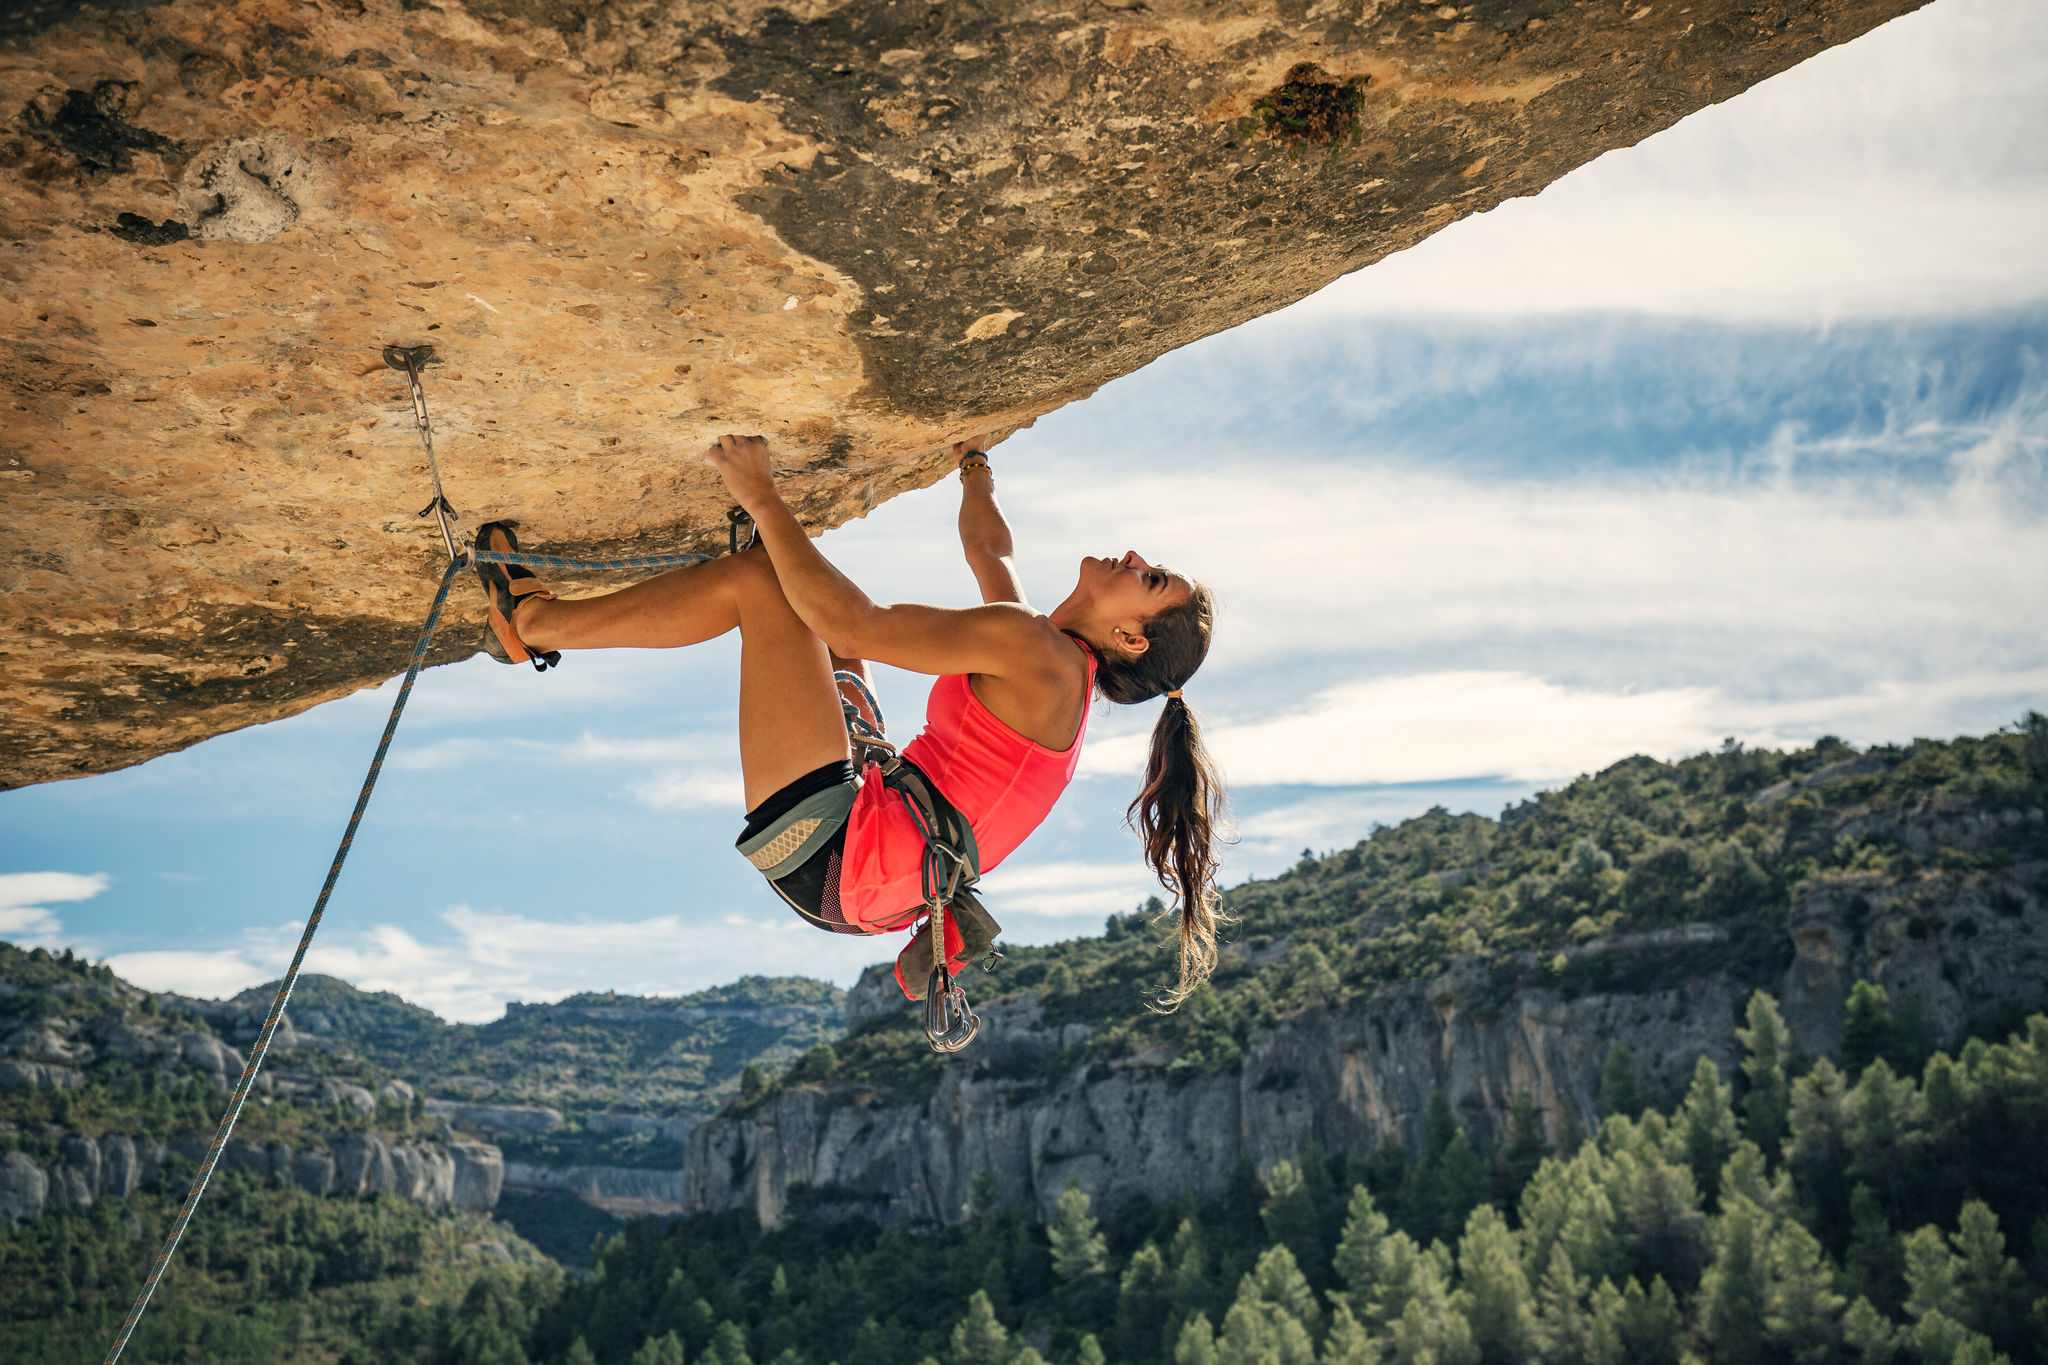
{"type": "Point", "coordinates": [1647, 874]}
{"type": "Point", "coordinates": [1831, 1217]}
{"type": "Point", "coordinates": [268, 1275]}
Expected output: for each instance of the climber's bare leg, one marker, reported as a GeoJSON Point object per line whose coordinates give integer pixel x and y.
{"type": "Point", "coordinates": [684, 606]}
{"type": "Point", "coordinates": [790, 722]}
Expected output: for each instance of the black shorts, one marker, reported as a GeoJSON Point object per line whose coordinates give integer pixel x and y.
{"type": "Point", "coordinates": [796, 838]}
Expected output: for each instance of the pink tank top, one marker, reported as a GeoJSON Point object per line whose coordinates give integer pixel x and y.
{"type": "Point", "coordinates": [1002, 782]}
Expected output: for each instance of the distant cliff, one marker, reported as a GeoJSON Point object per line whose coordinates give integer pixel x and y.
{"type": "Point", "coordinates": [1477, 958]}
{"type": "Point", "coordinates": [105, 1087]}
{"type": "Point", "coordinates": [1921, 869]}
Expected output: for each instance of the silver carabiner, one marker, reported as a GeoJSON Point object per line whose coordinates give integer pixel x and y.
{"type": "Point", "coordinates": [949, 1022]}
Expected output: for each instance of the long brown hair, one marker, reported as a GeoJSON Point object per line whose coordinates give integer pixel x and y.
{"type": "Point", "coordinates": [1179, 811]}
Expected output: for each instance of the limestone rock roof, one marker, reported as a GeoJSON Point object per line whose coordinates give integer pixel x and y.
{"type": "Point", "coordinates": [864, 228]}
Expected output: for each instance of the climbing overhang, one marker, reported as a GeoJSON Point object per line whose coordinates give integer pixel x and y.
{"type": "Point", "coordinates": [864, 229]}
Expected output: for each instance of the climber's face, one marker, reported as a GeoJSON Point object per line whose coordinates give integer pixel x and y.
{"type": "Point", "coordinates": [1115, 597]}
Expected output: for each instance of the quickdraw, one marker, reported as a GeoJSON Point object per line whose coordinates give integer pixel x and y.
{"type": "Point", "coordinates": [949, 873]}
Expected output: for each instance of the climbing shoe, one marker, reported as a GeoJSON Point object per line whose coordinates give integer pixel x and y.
{"type": "Point", "coordinates": [505, 587]}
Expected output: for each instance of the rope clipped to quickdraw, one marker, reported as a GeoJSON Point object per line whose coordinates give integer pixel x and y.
{"type": "Point", "coordinates": [413, 359]}
{"type": "Point", "coordinates": [410, 359]}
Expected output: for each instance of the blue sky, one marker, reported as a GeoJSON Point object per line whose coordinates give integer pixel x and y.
{"type": "Point", "coordinates": [1737, 432]}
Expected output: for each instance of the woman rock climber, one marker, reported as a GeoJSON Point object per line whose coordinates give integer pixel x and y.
{"type": "Point", "coordinates": [1003, 727]}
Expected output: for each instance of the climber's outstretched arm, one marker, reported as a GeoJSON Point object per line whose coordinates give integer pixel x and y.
{"type": "Point", "coordinates": [1004, 639]}
{"type": "Point", "coordinates": [984, 534]}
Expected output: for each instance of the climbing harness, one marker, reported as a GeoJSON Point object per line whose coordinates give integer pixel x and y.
{"type": "Point", "coordinates": [950, 870]}
{"type": "Point", "coordinates": [410, 359]}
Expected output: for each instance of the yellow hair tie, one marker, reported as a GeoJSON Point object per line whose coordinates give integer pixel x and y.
{"type": "Point", "coordinates": [1174, 693]}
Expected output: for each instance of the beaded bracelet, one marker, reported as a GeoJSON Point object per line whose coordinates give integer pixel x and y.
{"type": "Point", "coordinates": [972, 460]}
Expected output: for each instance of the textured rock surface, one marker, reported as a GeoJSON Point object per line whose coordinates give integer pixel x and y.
{"type": "Point", "coordinates": [465, 1176]}
{"type": "Point", "coordinates": [865, 228]}
{"type": "Point", "coordinates": [1344, 1076]}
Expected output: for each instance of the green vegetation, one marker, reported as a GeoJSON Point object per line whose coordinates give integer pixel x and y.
{"type": "Point", "coordinates": [591, 1052]}
{"type": "Point", "coordinates": [1644, 875]}
{"type": "Point", "coordinates": [1828, 1218]}
{"type": "Point", "coordinates": [268, 1275]}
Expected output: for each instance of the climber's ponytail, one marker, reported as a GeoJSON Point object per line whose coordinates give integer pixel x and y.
{"type": "Point", "coordinates": [1180, 808]}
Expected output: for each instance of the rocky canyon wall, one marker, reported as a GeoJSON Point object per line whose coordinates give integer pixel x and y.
{"type": "Point", "coordinates": [864, 228]}
{"type": "Point", "coordinates": [1343, 1076]}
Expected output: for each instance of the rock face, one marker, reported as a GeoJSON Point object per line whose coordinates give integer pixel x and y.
{"type": "Point", "coordinates": [465, 1176]}
{"type": "Point", "coordinates": [1342, 1077]}
{"type": "Point", "coordinates": [864, 228]}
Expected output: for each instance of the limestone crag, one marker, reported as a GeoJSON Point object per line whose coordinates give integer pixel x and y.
{"type": "Point", "coordinates": [865, 228]}
{"type": "Point", "coordinates": [464, 1176]}
{"type": "Point", "coordinates": [1342, 1076]}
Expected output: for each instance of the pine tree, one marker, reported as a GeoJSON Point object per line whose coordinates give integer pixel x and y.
{"type": "Point", "coordinates": [1143, 1300]}
{"type": "Point", "coordinates": [1746, 1174]}
{"type": "Point", "coordinates": [1869, 1335]}
{"type": "Point", "coordinates": [1872, 1266]}
{"type": "Point", "coordinates": [1278, 1283]}
{"type": "Point", "coordinates": [1802, 1311]}
{"type": "Point", "coordinates": [1567, 1203]}
{"type": "Point", "coordinates": [1347, 1342]}
{"type": "Point", "coordinates": [1605, 1307]}
{"type": "Point", "coordinates": [1931, 1274]}
{"type": "Point", "coordinates": [1357, 1259]}
{"type": "Point", "coordinates": [1731, 1296]}
{"type": "Point", "coordinates": [579, 1353]}
{"type": "Point", "coordinates": [1078, 1247]}
{"type": "Point", "coordinates": [1399, 1273]}
{"type": "Point", "coordinates": [1197, 1342]}
{"type": "Point", "coordinates": [1430, 1329]}
{"type": "Point", "coordinates": [1988, 1281]}
{"type": "Point", "coordinates": [1494, 1291]}
{"type": "Point", "coordinates": [1766, 1049]}
{"type": "Point", "coordinates": [1259, 1333]}
{"type": "Point", "coordinates": [1187, 1263]}
{"type": "Point", "coordinates": [665, 1350]}
{"type": "Point", "coordinates": [978, 1339]}
{"type": "Point", "coordinates": [1523, 1151]}
{"type": "Point", "coordinates": [1817, 1150]}
{"type": "Point", "coordinates": [1707, 1129]}
{"type": "Point", "coordinates": [1564, 1327]}
{"type": "Point", "coordinates": [1450, 1179]}
{"type": "Point", "coordinates": [1292, 1215]}
{"type": "Point", "coordinates": [1090, 1351]}
{"type": "Point", "coordinates": [1867, 1027]}
{"type": "Point", "coordinates": [728, 1346]}
{"type": "Point", "coordinates": [1617, 1093]}
{"type": "Point", "coordinates": [1652, 1327]}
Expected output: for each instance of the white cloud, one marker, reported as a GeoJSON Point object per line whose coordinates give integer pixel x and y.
{"type": "Point", "coordinates": [1439, 727]}
{"type": "Point", "coordinates": [1352, 561]}
{"type": "Point", "coordinates": [488, 957]}
{"type": "Point", "coordinates": [1070, 890]}
{"type": "Point", "coordinates": [1333, 819]}
{"type": "Point", "coordinates": [25, 916]}
{"type": "Point", "coordinates": [694, 789]}
{"type": "Point", "coordinates": [1897, 174]}
{"type": "Point", "coordinates": [197, 972]}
